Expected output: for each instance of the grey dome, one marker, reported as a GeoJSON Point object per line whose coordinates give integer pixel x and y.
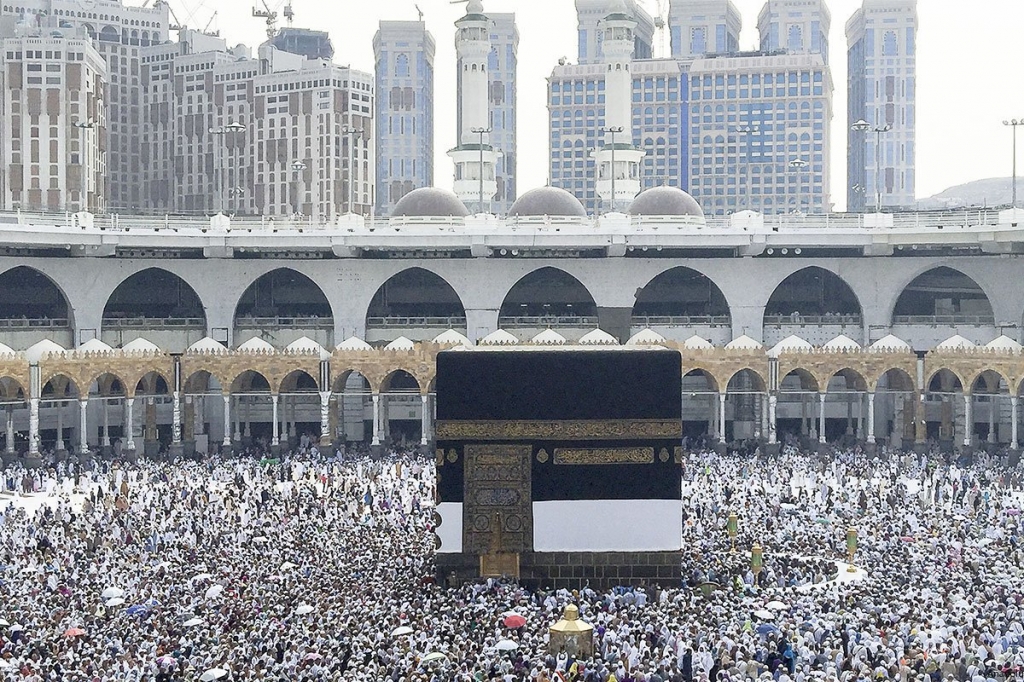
{"type": "Point", "coordinates": [430, 202]}
{"type": "Point", "coordinates": [667, 201]}
{"type": "Point", "coordinates": [548, 201]}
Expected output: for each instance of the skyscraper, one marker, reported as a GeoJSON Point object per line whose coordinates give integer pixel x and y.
{"type": "Point", "coordinates": [702, 27]}
{"type": "Point", "coordinates": [796, 26]}
{"type": "Point", "coordinates": [404, 58]}
{"type": "Point", "coordinates": [759, 133]}
{"type": "Point", "coordinates": [590, 14]}
{"type": "Point", "coordinates": [118, 32]}
{"type": "Point", "coordinates": [502, 65]}
{"type": "Point", "coordinates": [882, 39]}
{"type": "Point", "coordinates": [577, 113]}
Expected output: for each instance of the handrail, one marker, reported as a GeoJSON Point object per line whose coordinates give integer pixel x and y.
{"type": "Point", "coordinates": [835, 319]}
{"type": "Point", "coordinates": [409, 321]}
{"type": "Point", "coordinates": [936, 320]}
{"type": "Point", "coordinates": [680, 320]}
{"type": "Point", "coordinates": [33, 323]}
{"type": "Point", "coordinates": [283, 321]}
{"type": "Point", "coordinates": [547, 321]}
{"type": "Point", "coordinates": [152, 322]}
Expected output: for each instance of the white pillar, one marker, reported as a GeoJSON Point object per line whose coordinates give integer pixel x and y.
{"type": "Point", "coordinates": [993, 403]}
{"type": "Point", "coordinates": [1013, 421]}
{"type": "Point", "coordinates": [376, 419]}
{"type": "Point", "coordinates": [60, 426]}
{"type": "Point", "coordinates": [227, 419]}
{"type": "Point", "coordinates": [968, 419]}
{"type": "Point", "coordinates": [130, 423]}
{"type": "Point", "coordinates": [106, 425]}
{"type": "Point", "coordinates": [274, 438]}
{"type": "Point", "coordinates": [33, 426]}
{"type": "Point", "coordinates": [773, 402]}
{"type": "Point", "coordinates": [325, 416]}
{"type": "Point", "coordinates": [176, 418]}
{"type": "Point", "coordinates": [871, 417]}
{"type": "Point", "coordinates": [821, 418]}
{"type": "Point", "coordinates": [10, 429]}
{"type": "Point", "coordinates": [721, 417]}
{"type": "Point", "coordinates": [425, 420]}
{"type": "Point", "coordinates": [83, 428]}
{"type": "Point", "coordinates": [238, 418]}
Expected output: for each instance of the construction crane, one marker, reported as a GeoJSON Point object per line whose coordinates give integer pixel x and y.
{"type": "Point", "coordinates": [419, 11]}
{"type": "Point", "coordinates": [206, 30]}
{"type": "Point", "coordinates": [271, 17]}
{"type": "Point", "coordinates": [660, 26]}
{"type": "Point", "coordinates": [289, 13]}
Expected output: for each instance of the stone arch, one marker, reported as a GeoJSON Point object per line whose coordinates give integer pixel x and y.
{"type": "Point", "coordinates": [711, 382]}
{"type": "Point", "coordinates": [199, 382]}
{"type": "Point", "coordinates": [896, 379]}
{"type": "Point", "coordinates": [59, 387]}
{"type": "Point", "coordinates": [813, 291]}
{"type": "Point", "coordinates": [854, 381]}
{"type": "Point", "coordinates": [681, 291]}
{"type": "Point", "coordinates": [298, 381]}
{"type": "Point", "coordinates": [548, 292]}
{"type": "Point", "coordinates": [416, 293]}
{"type": "Point", "coordinates": [109, 385]}
{"type": "Point", "coordinates": [342, 379]}
{"type": "Point", "coordinates": [806, 382]}
{"type": "Point", "coordinates": [945, 380]}
{"type": "Point", "coordinates": [154, 293]}
{"type": "Point", "coordinates": [939, 291]}
{"type": "Point", "coordinates": [756, 379]}
{"type": "Point", "coordinates": [11, 389]}
{"type": "Point", "coordinates": [152, 383]}
{"type": "Point", "coordinates": [283, 293]}
{"type": "Point", "coordinates": [400, 380]}
{"type": "Point", "coordinates": [29, 293]}
{"type": "Point", "coordinates": [250, 381]}
{"type": "Point", "coordinates": [988, 381]}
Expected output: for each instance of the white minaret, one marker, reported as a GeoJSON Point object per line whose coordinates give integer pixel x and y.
{"type": "Point", "coordinates": [618, 161]}
{"type": "Point", "coordinates": [475, 159]}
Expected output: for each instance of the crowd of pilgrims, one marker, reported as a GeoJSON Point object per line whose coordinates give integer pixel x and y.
{"type": "Point", "coordinates": [304, 568]}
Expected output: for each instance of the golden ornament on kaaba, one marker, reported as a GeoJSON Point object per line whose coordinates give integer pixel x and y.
{"type": "Point", "coordinates": [542, 456]}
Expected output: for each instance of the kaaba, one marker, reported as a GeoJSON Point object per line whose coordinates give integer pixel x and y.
{"type": "Point", "coordinates": [560, 467]}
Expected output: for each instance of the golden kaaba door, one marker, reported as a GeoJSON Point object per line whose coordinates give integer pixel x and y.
{"type": "Point", "coordinates": [498, 504]}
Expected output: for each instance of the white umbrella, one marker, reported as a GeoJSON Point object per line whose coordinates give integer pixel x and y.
{"type": "Point", "coordinates": [112, 592]}
{"type": "Point", "coordinates": [213, 674]}
{"type": "Point", "coordinates": [506, 645]}
{"type": "Point", "coordinates": [214, 591]}
{"type": "Point", "coordinates": [116, 601]}
{"type": "Point", "coordinates": [433, 656]}
{"type": "Point", "coordinates": [776, 605]}
{"type": "Point", "coordinates": [304, 609]}
{"type": "Point", "coordinates": [193, 622]}
{"type": "Point", "coordinates": [17, 627]}
{"type": "Point", "coordinates": [401, 631]}
{"type": "Point", "coordinates": [3, 623]}
{"type": "Point", "coordinates": [764, 614]}
{"type": "Point", "coordinates": [288, 565]}
{"type": "Point", "coordinates": [202, 576]}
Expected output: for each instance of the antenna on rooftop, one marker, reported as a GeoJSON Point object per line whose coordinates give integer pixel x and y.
{"type": "Point", "coordinates": [419, 11]}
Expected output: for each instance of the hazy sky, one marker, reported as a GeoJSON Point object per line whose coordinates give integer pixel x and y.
{"type": "Point", "coordinates": [970, 73]}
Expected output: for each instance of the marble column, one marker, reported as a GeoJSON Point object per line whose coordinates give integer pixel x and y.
{"type": "Point", "coordinates": [83, 428]}
{"type": "Point", "coordinates": [773, 403]}
{"type": "Point", "coordinates": [274, 440]}
{"type": "Point", "coordinates": [376, 419]}
{"type": "Point", "coordinates": [425, 420]}
{"type": "Point", "coordinates": [821, 418]}
{"type": "Point", "coordinates": [993, 404]}
{"type": "Point", "coordinates": [176, 418]}
{"type": "Point", "coordinates": [130, 423]}
{"type": "Point", "coordinates": [871, 417]}
{"type": "Point", "coordinates": [10, 429]}
{"type": "Point", "coordinates": [968, 419]}
{"type": "Point", "coordinates": [227, 420]}
{"type": "Point", "coordinates": [1013, 421]}
{"type": "Point", "coordinates": [721, 417]}
{"type": "Point", "coordinates": [60, 426]}
{"type": "Point", "coordinates": [33, 426]}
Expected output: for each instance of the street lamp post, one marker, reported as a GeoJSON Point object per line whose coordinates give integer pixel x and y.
{"type": "Point", "coordinates": [798, 165]}
{"type": "Point", "coordinates": [480, 171]}
{"type": "Point", "coordinates": [298, 167]}
{"type": "Point", "coordinates": [352, 134]}
{"type": "Point", "coordinates": [747, 131]}
{"type": "Point", "coordinates": [613, 131]}
{"type": "Point", "coordinates": [1013, 123]}
{"type": "Point", "coordinates": [863, 126]}
{"type": "Point", "coordinates": [82, 127]}
{"type": "Point", "coordinates": [223, 132]}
